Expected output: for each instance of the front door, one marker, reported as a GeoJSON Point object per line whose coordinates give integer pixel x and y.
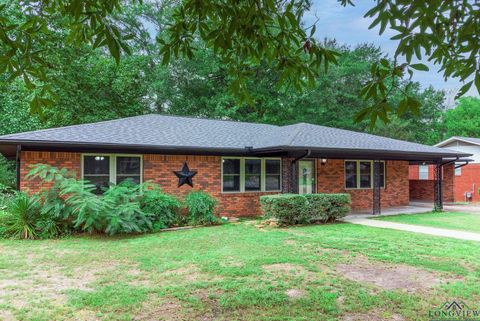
{"type": "Point", "coordinates": [306, 177]}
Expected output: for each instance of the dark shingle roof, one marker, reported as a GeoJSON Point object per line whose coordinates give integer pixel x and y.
{"type": "Point", "coordinates": [160, 131]}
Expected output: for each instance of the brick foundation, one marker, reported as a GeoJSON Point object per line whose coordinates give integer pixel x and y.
{"type": "Point", "coordinates": [159, 169]}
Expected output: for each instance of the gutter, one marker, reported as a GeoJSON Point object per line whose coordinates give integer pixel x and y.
{"type": "Point", "coordinates": [17, 162]}
{"type": "Point", "coordinates": [294, 184]}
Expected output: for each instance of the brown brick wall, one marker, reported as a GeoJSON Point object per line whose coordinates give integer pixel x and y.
{"type": "Point", "coordinates": [423, 190]}
{"type": "Point", "coordinates": [330, 179]}
{"type": "Point", "coordinates": [71, 161]}
{"type": "Point", "coordinates": [160, 168]}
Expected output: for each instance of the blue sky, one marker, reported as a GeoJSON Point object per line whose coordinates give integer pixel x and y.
{"type": "Point", "coordinates": [347, 26]}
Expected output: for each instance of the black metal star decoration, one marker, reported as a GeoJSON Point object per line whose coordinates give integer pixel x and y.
{"type": "Point", "coordinates": [185, 175]}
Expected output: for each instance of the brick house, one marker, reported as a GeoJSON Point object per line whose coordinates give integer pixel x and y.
{"type": "Point", "coordinates": [466, 183]}
{"type": "Point", "coordinates": [236, 162]}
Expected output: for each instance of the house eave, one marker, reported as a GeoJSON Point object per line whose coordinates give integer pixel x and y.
{"type": "Point", "coordinates": [8, 149]}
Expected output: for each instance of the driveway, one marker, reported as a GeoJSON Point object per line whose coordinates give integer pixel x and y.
{"type": "Point", "coordinates": [413, 228]}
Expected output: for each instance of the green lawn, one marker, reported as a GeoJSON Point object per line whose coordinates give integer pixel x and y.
{"type": "Point", "coordinates": [239, 272]}
{"type": "Point", "coordinates": [448, 220]}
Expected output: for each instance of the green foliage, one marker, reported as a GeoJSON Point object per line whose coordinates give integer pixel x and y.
{"type": "Point", "coordinates": [71, 205]}
{"type": "Point", "coordinates": [445, 32]}
{"type": "Point", "coordinates": [165, 208]}
{"type": "Point", "coordinates": [292, 209]}
{"type": "Point", "coordinates": [122, 208]}
{"type": "Point", "coordinates": [20, 218]}
{"type": "Point", "coordinates": [327, 207]}
{"type": "Point", "coordinates": [464, 120]}
{"type": "Point", "coordinates": [201, 206]}
{"type": "Point", "coordinates": [289, 209]}
{"type": "Point", "coordinates": [7, 173]}
{"type": "Point", "coordinates": [42, 42]}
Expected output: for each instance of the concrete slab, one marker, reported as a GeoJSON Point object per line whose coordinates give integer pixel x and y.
{"type": "Point", "coordinates": [461, 235]}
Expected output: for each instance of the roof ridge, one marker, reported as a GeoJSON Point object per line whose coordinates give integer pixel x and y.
{"type": "Point", "coordinates": [212, 119]}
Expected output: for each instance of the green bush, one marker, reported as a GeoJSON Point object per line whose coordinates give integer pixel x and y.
{"type": "Point", "coordinates": [164, 208]}
{"type": "Point", "coordinates": [289, 209]}
{"type": "Point", "coordinates": [328, 207]}
{"type": "Point", "coordinates": [201, 207]}
{"type": "Point", "coordinates": [292, 209]}
{"type": "Point", "coordinates": [71, 205]}
{"type": "Point", "coordinates": [7, 173]}
{"type": "Point", "coordinates": [21, 217]}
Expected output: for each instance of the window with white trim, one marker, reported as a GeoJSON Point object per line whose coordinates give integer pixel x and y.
{"type": "Point", "coordinates": [359, 174]}
{"type": "Point", "coordinates": [458, 170]}
{"type": "Point", "coordinates": [422, 171]}
{"type": "Point", "coordinates": [103, 170]}
{"type": "Point", "coordinates": [245, 174]}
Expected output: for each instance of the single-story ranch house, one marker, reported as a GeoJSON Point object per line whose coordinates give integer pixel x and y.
{"type": "Point", "coordinates": [236, 162]}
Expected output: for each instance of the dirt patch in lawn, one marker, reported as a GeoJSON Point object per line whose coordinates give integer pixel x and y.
{"type": "Point", "coordinates": [388, 276]}
{"type": "Point", "coordinates": [284, 268]}
{"type": "Point", "coordinates": [191, 273]}
{"type": "Point", "coordinates": [294, 294]}
{"type": "Point", "coordinates": [167, 309]}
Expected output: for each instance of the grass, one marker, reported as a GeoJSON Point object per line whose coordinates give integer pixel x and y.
{"type": "Point", "coordinates": [447, 220]}
{"type": "Point", "coordinates": [232, 272]}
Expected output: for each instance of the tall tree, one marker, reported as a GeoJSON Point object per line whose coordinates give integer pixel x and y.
{"type": "Point", "coordinates": [246, 35]}
{"type": "Point", "coordinates": [464, 119]}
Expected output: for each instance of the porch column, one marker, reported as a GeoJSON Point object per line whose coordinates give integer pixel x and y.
{"type": "Point", "coordinates": [437, 187]}
{"type": "Point", "coordinates": [377, 204]}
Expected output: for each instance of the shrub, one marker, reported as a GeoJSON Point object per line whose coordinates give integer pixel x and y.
{"type": "Point", "coordinates": [123, 212]}
{"type": "Point", "coordinates": [7, 173]}
{"type": "Point", "coordinates": [164, 208]}
{"type": "Point", "coordinates": [21, 217]}
{"type": "Point", "coordinates": [292, 209]}
{"type": "Point", "coordinates": [201, 208]}
{"type": "Point", "coordinates": [287, 208]}
{"type": "Point", "coordinates": [327, 207]}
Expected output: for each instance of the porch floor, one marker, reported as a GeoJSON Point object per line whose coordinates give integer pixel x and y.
{"type": "Point", "coordinates": [412, 208]}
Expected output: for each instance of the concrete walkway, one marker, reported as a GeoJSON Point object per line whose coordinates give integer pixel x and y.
{"type": "Point", "coordinates": [461, 235]}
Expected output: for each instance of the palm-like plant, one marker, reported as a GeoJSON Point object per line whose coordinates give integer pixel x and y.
{"type": "Point", "coordinates": [20, 219]}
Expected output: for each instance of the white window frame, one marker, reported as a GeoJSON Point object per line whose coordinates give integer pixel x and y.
{"type": "Point", "coordinates": [242, 175]}
{"type": "Point", "coordinates": [113, 164]}
{"type": "Point", "coordinates": [420, 172]}
{"type": "Point", "coordinates": [358, 174]}
{"type": "Point", "coordinates": [458, 170]}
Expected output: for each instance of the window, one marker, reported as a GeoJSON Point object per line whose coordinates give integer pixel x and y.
{"type": "Point", "coordinates": [366, 174]}
{"type": "Point", "coordinates": [423, 172]}
{"type": "Point", "coordinates": [351, 174]}
{"type": "Point", "coordinates": [128, 168]}
{"type": "Point", "coordinates": [103, 170]}
{"type": "Point", "coordinates": [96, 169]}
{"type": "Point", "coordinates": [251, 174]}
{"type": "Point", "coordinates": [359, 174]}
{"type": "Point", "coordinates": [273, 174]}
{"type": "Point", "coordinates": [231, 175]}
{"type": "Point", "coordinates": [458, 170]}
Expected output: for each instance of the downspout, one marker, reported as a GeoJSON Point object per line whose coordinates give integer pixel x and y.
{"type": "Point", "coordinates": [294, 185]}
{"type": "Point", "coordinates": [17, 160]}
